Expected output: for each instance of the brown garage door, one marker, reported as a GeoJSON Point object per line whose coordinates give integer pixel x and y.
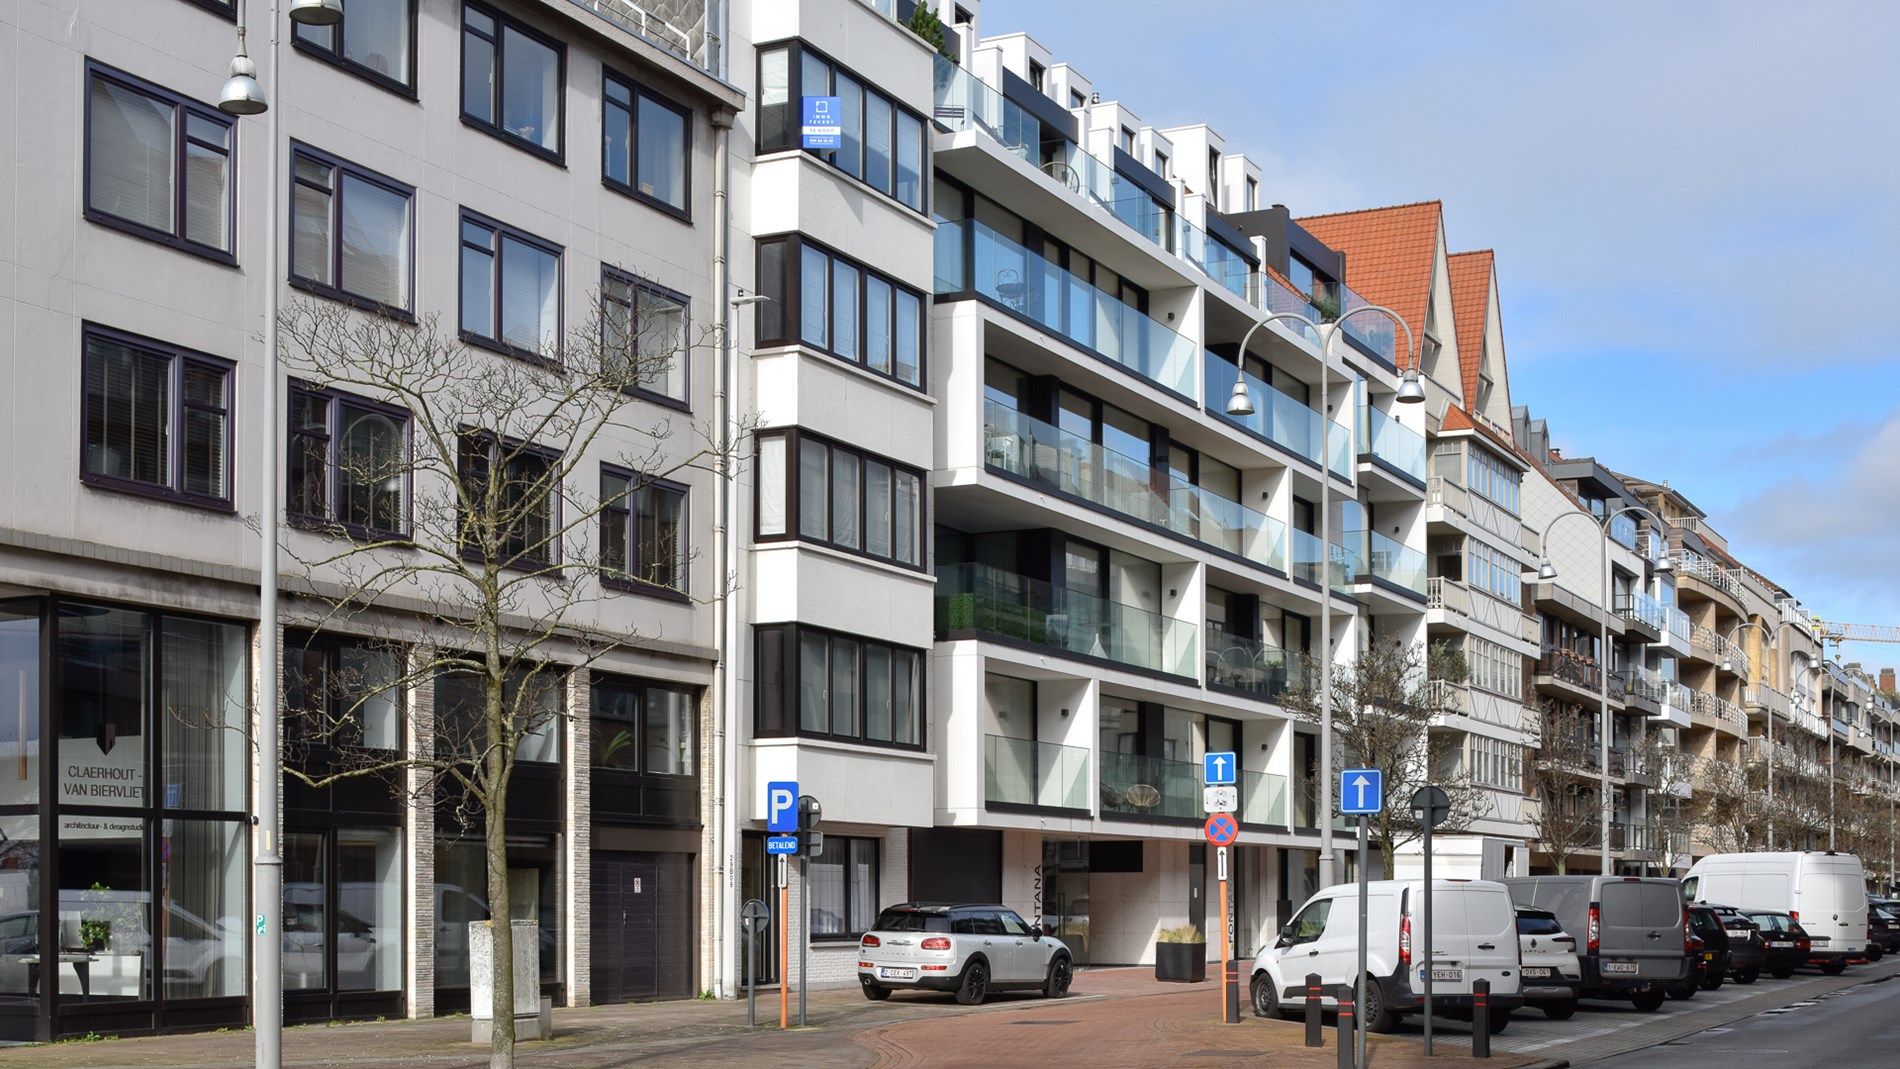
{"type": "Point", "coordinates": [642, 926]}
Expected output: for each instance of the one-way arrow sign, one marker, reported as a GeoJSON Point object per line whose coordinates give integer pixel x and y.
{"type": "Point", "coordinates": [1361, 791]}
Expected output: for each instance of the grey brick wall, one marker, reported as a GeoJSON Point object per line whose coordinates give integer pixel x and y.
{"type": "Point", "coordinates": [579, 839]}
{"type": "Point", "coordinates": [421, 844]}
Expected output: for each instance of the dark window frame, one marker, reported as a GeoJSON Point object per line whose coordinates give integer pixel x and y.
{"type": "Point", "coordinates": [335, 401]}
{"type": "Point", "coordinates": [636, 286]}
{"type": "Point", "coordinates": [502, 450]}
{"type": "Point", "coordinates": [177, 357]}
{"type": "Point", "coordinates": [790, 636]}
{"type": "Point", "coordinates": [494, 128]}
{"type": "Point", "coordinates": [227, 9]}
{"type": "Point", "coordinates": [785, 327]}
{"type": "Point", "coordinates": [501, 231]}
{"type": "Point", "coordinates": [406, 90]}
{"type": "Point", "coordinates": [643, 686]}
{"type": "Point", "coordinates": [334, 291]}
{"type": "Point", "coordinates": [331, 644]}
{"type": "Point", "coordinates": [839, 847]}
{"type": "Point", "coordinates": [181, 107]}
{"type": "Point", "coordinates": [794, 439]}
{"type": "Point", "coordinates": [794, 48]}
{"type": "Point", "coordinates": [632, 517]}
{"type": "Point", "coordinates": [637, 91]}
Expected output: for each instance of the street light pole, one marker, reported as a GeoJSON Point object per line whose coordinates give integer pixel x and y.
{"type": "Point", "coordinates": [1774, 639]}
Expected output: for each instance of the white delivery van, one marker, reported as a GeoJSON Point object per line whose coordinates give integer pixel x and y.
{"type": "Point", "coordinates": [1474, 936]}
{"type": "Point", "coordinates": [1825, 891]}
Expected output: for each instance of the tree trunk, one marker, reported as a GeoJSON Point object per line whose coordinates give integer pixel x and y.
{"type": "Point", "coordinates": [501, 1050]}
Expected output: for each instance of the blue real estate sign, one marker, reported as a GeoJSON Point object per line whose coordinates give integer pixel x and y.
{"type": "Point", "coordinates": [821, 123]}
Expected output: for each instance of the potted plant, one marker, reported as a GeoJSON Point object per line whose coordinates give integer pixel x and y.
{"type": "Point", "coordinates": [96, 932]}
{"type": "Point", "coordinates": [1181, 955]}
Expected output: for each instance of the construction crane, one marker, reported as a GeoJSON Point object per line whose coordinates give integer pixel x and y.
{"type": "Point", "coordinates": [1837, 633]}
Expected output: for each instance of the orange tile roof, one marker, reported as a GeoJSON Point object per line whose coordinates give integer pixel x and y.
{"type": "Point", "coordinates": [1389, 256]}
{"type": "Point", "coordinates": [1470, 304]}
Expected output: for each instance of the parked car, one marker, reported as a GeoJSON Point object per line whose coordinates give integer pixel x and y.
{"type": "Point", "coordinates": [1474, 936]}
{"type": "Point", "coordinates": [971, 950]}
{"type": "Point", "coordinates": [1746, 953]}
{"type": "Point", "coordinates": [1785, 944]}
{"type": "Point", "coordinates": [1550, 971]}
{"type": "Point", "coordinates": [1635, 939]}
{"type": "Point", "coordinates": [1883, 931]}
{"type": "Point", "coordinates": [1825, 891]}
{"type": "Point", "coordinates": [1708, 947]}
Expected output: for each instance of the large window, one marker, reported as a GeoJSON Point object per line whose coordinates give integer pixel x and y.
{"type": "Point", "coordinates": [535, 891]}
{"type": "Point", "coordinates": [351, 232]}
{"type": "Point", "coordinates": [342, 691]}
{"type": "Point", "coordinates": [1494, 572]}
{"type": "Point", "coordinates": [840, 497]}
{"type": "Point", "coordinates": [643, 329]}
{"type": "Point", "coordinates": [1493, 763]}
{"type": "Point", "coordinates": [512, 79]}
{"type": "Point", "coordinates": [343, 895]}
{"type": "Point", "coordinates": [348, 463]}
{"type": "Point", "coordinates": [375, 40]}
{"type": "Point", "coordinates": [159, 165]}
{"type": "Point", "coordinates": [645, 727]}
{"type": "Point", "coordinates": [1494, 668]}
{"type": "Point", "coordinates": [827, 685]}
{"type": "Point", "coordinates": [511, 289]}
{"type": "Point", "coordinates": [157, 418]}
{"type": "Point", "coordinates": [643, 533]}
{"type": "Point", "coordinates": [1492, 479]}
{"type": "Point", "coordinates": [515, 493]}
{"type": "Point", "coordinates": [844, 895]}
{"type": "Point", "coordinates": [841, 307]}
{"type": "Point", "coordinates": [883, 143]}
{"type": "Point", "coordinates": [534, 717]}
{"type": "Point", "coordinates": [646, 145]}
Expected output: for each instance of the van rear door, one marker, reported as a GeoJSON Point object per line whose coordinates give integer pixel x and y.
{"type": "Point", "coordinates": [1832, 897]}
{"type": "Point", "coordinates": [1451, 948]}
{"type": "Point", "coordinates": [1641, 936]}
{"type": "Point", "coordinates": [1491, 921]}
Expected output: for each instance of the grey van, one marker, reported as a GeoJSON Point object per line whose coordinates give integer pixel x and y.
{"type": "Point", "coordinates": [1631, 942]}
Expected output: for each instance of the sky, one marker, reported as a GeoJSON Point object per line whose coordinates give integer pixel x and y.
{"type": "Point", "coordinates": [1695, 208]}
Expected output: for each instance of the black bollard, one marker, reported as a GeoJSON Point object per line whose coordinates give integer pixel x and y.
{"type": "Point", "coordinates": [1345, 1028]}
{"type": "Point", "coordinates": [1481, 1019]}
{"type": "Point", "coordinates": [1230, 1007]}
{"type": "Point", "coordinates": [1315, 1028]}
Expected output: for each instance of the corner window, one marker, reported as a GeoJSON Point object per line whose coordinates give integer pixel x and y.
{"type": "Point", "coordinates": [351, 232]}
{"type": "Point", "coordinates": [375, 41]}
{"type": "Point", "coordinates": [643, 537]}
{"type": "Point", "coordinates": [157, 419]}
{"type": "Point", "coordinates": [881, 144]}
{"type": "Point", "coordinates": [511, 289]}
{"type": "Point", "coordinates": [824, 684]}
{"type": "Point", "coordinates": [643, 329]}
{"type": "Point", "coordinates": [646, 141]}
{"type": "Point", "coordinates": [841, 497]}
{"type": "Point", "coordinates": [515, 491]}
{"type": "Point", "coordinates": [642, 727]}
{"type": "Point", "coordinates": [159, 165]}
{"type": "Point", "coordinates": [348, 463]}
{"type": "Point", "coordinates": [512, 80]}
{"type": "Point", "coordinates": [841, 307]}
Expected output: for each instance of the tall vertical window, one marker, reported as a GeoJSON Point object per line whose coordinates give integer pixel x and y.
{"type": "Point", "coordinates": [351, 231]}
{"type": "Point", "coordinates": [375, 40]}
{"type": "Point", "coordinates": [842, 308]}
{"type": "Point", "coordinates": [643, 536]}
{"type": "Point", "coordinates": [534, 712]}
{"type": "Point", "coordinates": [511, 288]}
{"type": "Point", "coordinates": [515, 490]}
{"type": "Point", "coordinates": [643, 328]}
{"type": "Point", "coordinates": [159, 165]}
{"type": "Point", "coordinates": [646, 141]}
{"type": "Point", "coordinates": [512, 80]}
{"type": "Point", "coordinates": [830, 685]}
{"type": "Point", "coordinates": [156, 418]}
{"type": "Point", "coordinates": [844, 894]}
{"type": "Point", "coordinates": [882, 144]}
{"type": "Point", "coordinates": [841, 497]}
{"type": "Point", "coordinates": [348, 463]}
{"type": "Point", "coordinates": [342, 691]}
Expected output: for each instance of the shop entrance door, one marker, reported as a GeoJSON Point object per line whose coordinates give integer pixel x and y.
{"type": "Point", "coordinates": [1065, 895]}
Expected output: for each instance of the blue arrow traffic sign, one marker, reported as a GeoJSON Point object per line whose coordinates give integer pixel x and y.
{"type": "Point", "coordinates": [781, 844]}
{"type": "Point", "coordinates": [1361, 791]}
{"type": "Point", "coordinates": [1219, 769]}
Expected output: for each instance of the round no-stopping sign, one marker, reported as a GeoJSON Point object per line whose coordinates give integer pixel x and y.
{"type": "Point", "coordinates": [1222, 829]}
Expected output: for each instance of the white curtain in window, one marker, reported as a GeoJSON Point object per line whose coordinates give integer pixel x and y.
{"type": "Point", "coordinates": [530, 286]}
{"type": "Point", "coordinates": [129, 157]}
{"type": "Point", "coordinates": [375, 242]}
{"type": "Point", "coordinates": [376, 34]}
{"type": "Point", "coordinates": [204, 693]}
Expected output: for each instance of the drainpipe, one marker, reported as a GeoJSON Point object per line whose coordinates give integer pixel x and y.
{"type": "Point", "coordinates": [724, 835]}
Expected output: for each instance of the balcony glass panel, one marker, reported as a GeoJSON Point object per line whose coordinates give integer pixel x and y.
{"type": "Point", "coordinates": [1391, 441]}
{"type": "Point", "coordinates": [1305, 558]}
{"type": "Point", "coordinates": [1028, 772]}
{"type": "Point", "coordinates": [990, 601]}
{"type": "Point", "coordinates": [1623, 529]}
{"type": "Point", "coordinates": [1374, 331]}
{"type": "Point", "coordinates": [1278, 297]}
{"type": "Point", "coordinates": [1220, 263]}
{"type": "Point", "coordinates": [1251, 666]}
{"type": "Point", "coordinates": [1263, 798]}
{"type": "Point", "coordinates": [1041, 452]}
{"type": "Point", "coordinates": [1150, 786]}
{"type": "Point", "coordinates": [1276, 417]}
{"type": "Point", "coordinates": [1395, 563]}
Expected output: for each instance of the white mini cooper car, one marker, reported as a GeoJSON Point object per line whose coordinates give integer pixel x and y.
{"type": "Point", "coordinates": [971, 950]}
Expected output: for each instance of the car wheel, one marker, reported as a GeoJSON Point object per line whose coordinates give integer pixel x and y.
{"type": "Point", "coordinates": [1782, 973]}
{"type": "Point", "coordinates": [1748, 976]}
{"type": "Point", "coordinates": [1713, 983]}
{"type": "Point", "coordinates": [976, 984]}
{"type": "Point", "coordinates": [1649, 1001]}
{"type": "Point", "coordinates": [1060, 973]}
{"type": "Point", "coordinates": [1561, 1011]}
{"type": "Point", "coordinates": [1875, 952]}
{"type": "Point", "coordinates": [1264, 995]}
{"type": "Point", "coordinates": [1379, 1016]}
{"type": "Point", "coordinates": [1499, 1020]}
{"type": "Point", "coordinates": [1684, 991]}
{"type": "Point", "coordinates": [876, 993]}
{"type": "Point", "coordinates": [1834, 967]}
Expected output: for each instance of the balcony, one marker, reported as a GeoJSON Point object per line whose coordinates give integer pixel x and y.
{"type": "Point", "coordinates": [1765, 698]}
{"type": "Point", "coordinates": [1569, 671]}
{"type": "Point", "coordinates": [1277, 418]}
{"type": "Point", "coordinates": [641, 22]}
{"type": "Point", "coordinates": [1643, 688]}
{"type": "Point", "coordinates": [1304, 563]}
{"type": "Point", "coordinates": [1693, 565]}
{"type": "Point", "coordinates": [978, 600]}
{"type": "Point", "coordinates": [1263, 799]}
{"type": "Point", "coordinates": [1251, 667]}
{"type": "Point", "coordinates": [1647, 615]}
{"type": "Point", "coordinates": [1150, 788]}
{"type": "Point", "coordinates": [1623, 530]}
{"type": "Point", "coordinates": [1375, 334]}
{"type": "Point", "coordinates": [972, 258]}
{"type": "Point", "coordinates": [1449, 696]}
{"type": "Point", "coordinates": [1041, 453]}
{"type": "Point", "coordinates": [1392, 443]}
{"type": "Point", "coordinates": [1447, 594]}
{"type": "Point", "coordinates": [1227, 268]}
{"type": "Point", "coordinates": [1035, 775]}
{"type": "Point", "coordinates": [1718, 649]}
{"type": "Point", "coordinates": [1719, 711]}
{"type": "Point", "coordinates": [1394, 563]}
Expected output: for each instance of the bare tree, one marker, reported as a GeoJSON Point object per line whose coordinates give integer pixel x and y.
{"type": "Point", "coordinates": [1385, 706]}
{"type": "Point", "coordinates": [520, 472]}
{"type": "Point", "coordinates": [1564, 781]}
{"type": "Point", "coordinates": [1673, 816]}
{"type": "Point", "coordinates": [1729, 808]}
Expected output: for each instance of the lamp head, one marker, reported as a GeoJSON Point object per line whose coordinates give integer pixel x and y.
{"type": "Point", "coordinates": [316, 12]}
{"type": "Point", "coordinates": [1664, 564]}
{"type": "Point", "coordinates": [1546, 571]}
{"type": "Point", "coordinates": [241, 94]}
{"type": "Point", "coordinates": [1727, 665]}
{"type": "Point", "coordinates": [1240, 402]}
{"type": "Point", "coordinates": [1411, 391]}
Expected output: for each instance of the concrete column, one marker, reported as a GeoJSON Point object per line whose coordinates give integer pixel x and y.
{"type": "Point", "coordinates": [418, 787]}
{"type": "Point", "coordinates": [578, 856]}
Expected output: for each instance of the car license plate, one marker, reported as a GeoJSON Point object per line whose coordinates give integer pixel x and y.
{"type": "Point", "coordinates": [896, 974]}
{"type": "Point", "coordinates": [1627, 968]}
{"type": "Point", "coordinates": [1536, 973]}
{"type": "Point", "coordinates": [1817, 940]}
{"type": "Point", "coordinates": [1442, 975]}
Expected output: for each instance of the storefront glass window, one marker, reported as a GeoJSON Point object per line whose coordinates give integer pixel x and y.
{"type": "Point", "coordinates": [105, 914]}
{"type": "Point", "coordinates": [19, 711]}
{"type": "Point", "coordinates": [202, 922]}
{"type": "Point", "coordinates": [461, 896]}
{"type": "Point", "coordinates": [368, 931]}
{"type": "Point", "coordinates": [19, 906]}
{"type": "Point", "coordinates": [101, 706]}
{"type": "Point", "coordinates": [306, 913]}
{"type": "Point", "coordinates": [202, 694]}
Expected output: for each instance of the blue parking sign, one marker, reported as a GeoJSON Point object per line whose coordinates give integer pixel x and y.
{"type": "Point", "coordinates": [781, 806]}
{"type": "Point", "coordinates": [821, 123]}
{"type": "Point", "coordinates": [1219, 769]}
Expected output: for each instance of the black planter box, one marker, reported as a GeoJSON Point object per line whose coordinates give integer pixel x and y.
{"type": "Point", "coordinates": [1181, 963]}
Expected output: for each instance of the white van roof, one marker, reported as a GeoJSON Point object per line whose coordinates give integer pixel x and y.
{"type": "Point", "coordinates": [1831, 858]}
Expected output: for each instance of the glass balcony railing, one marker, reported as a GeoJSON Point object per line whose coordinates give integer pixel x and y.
{"type": "Point", "coordinates": [1008, 274]}
{"type": "Point", "coordinates": [1150, 786]}
{"type": "Point", "coordinates": [1642, 608]}
{"type": "Point", "coordinates": [1623, 529]}
{"type": "Point", "coordinates": [1373, 331]}
{"type": "Point", "coordinates": [1251, 666]}
{"type": "Point", "coordinates": [1031, 773]}
{"type": "Point", "coordinates": [1304, 562]}
{"type": "Point", "coordinates": [1217, 261]}
{"type": "Point", "coordinates": [1277, 297]}
{"type": "Point", "coordinates": [1394, 562]}
{"type": "Point", "coordinates": [1384, 437]}
{"type": "Point", "coordinates": [1040, 452]}
{"type": "Point", "coordinates": [1571, 667]}
{"type": "Point", "coordinates": [1276, 417]}
{"type": "Point", "coordinates": [1263, 798]}
{"type": "Point", "coordinates": [976, 598]}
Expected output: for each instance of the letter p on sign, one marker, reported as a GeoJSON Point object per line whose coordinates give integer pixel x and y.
{"type": "Point", "coordinates": [781, 806]}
